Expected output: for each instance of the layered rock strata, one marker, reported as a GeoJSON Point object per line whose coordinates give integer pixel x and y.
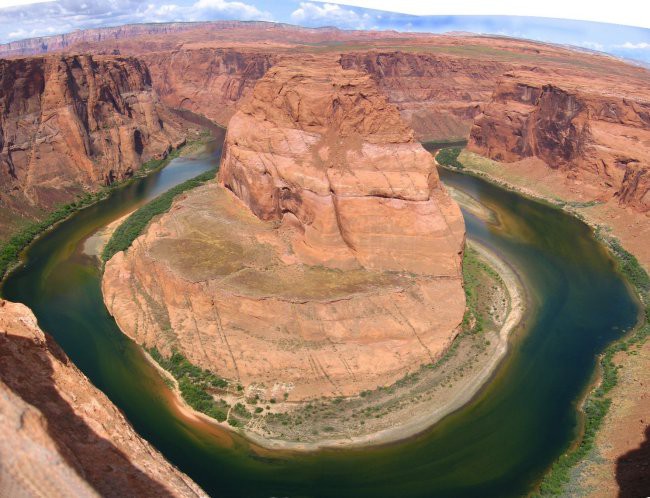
{"type": "Point", "coordinates": [207, 81]}
{"type": "Point", "coordinates": [61, 436]}
{"type": "Point", "coordinates": [594, 132]}
{"type": "Point", "coordinates": [329, 261]}
{"type": "Point", "coordinates": [71, 124]}
{"type": "Point", "coordinates": [438, 95]}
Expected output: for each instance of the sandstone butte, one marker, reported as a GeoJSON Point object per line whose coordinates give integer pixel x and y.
{"type": "Point", "coordinates": [442, 85]}
{"type": "Point", "coordinates": [325, 262]}
{"type": "Point", "coordinates": [69, 124]}
{"type": "Point", "coordinates": [61, 436]}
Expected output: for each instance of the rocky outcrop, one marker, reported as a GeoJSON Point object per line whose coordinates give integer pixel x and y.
{"type": "Point", "coordinates": [320, 148]}
{"type": "Point", "coordinates": [61, 436]}
{"type": "Point", "coordinates": [72, 124]}
{"type": "Point", "coordinates": [338, 254]}
{"type": "Point", "coordinates": [594, 132]}
{"type": "Point", "coordinates": [438, 95]}
{"type": "Point", "coordinates": [207, 81]}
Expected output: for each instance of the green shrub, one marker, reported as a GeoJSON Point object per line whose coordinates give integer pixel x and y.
{"type": "Point", "coordinates": [10, 251]}
{"type": "Point", "coordinates": [135, 224]}
{"type": "Point", "coordinates": [194, 383]}
{"type": "Point", "coordinates": [597, 403]}
{"type": "Point", "coordinates": [449, 157]}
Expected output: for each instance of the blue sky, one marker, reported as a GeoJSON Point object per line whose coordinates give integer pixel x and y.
{"type": "Point", "coordinates": [42, 19]}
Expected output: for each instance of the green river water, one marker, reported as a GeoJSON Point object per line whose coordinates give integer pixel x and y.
{"type": "Point", "coordinates": [500, 444]}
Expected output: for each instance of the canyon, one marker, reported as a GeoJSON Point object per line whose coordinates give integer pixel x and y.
{"type": "Point", "coordinates": [595, 133]}
{"type": "Point", "coordinates": [329, 221]}
{"type": "Point", "coordinates": [70, 124]}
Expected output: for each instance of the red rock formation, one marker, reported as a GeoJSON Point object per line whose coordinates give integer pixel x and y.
{"type": "Point", "coordinates": [342, 263]}
{"type": "Point", "coordinates": [156, 36]}
{"type": "Point", "coordinates": [321, 148]}
{"type": "Point", "coordinates": [60, 435]}
{"type": "Point", "coordinates": [438, 95]}
{"type": "Point", "coordinates": [207, 81]}
{"type": "Point", "coordinates": [592, 130]}
{"type": "Point", "coordinates": [69, 124]}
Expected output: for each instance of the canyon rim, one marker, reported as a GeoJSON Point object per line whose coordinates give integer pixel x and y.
{"type": "Point", "coordinates": [326, 263]}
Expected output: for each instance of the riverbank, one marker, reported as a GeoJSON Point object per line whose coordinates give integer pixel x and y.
{"type": "Point", "coordinates": [11, 249]}
{"type": "Point", "coordinates": [615, 407]}
{"type": "Point", "coordinates": [390, 413]}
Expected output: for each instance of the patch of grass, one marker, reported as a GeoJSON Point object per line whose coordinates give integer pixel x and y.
{"type": "Point", "coordinates": [10, 251]}
{"type": "Point", "coordinates": [598, 402]}
{"type": "Point", "coordinates": [194, 383]}
{"type": "Point", "coordinates": [135, 224]}
{"type": "Point", "coordinates": [449, 157]}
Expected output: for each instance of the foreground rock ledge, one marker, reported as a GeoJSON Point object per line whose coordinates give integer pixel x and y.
{"type": "Point", "coordinates": [329, 263]}
{"type": "Point", "coordinates": [60, 435]}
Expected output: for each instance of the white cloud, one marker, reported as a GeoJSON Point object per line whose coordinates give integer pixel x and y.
{"type": "Point", "coordinates": [235, 10]}
{"type": "Point", "coordinates": [635, 46]}
{"type": "Point", "coordinates": [330, 14]}
{"type": "Point", "coordinates": [67, 15]}
{"type": "Point", "coordinates": [592, 45]}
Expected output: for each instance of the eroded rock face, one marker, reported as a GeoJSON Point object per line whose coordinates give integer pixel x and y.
{"type": "Point", "coordinates": [63, 437]}
{"type": "Point", "coordinates": [594, 132]}
{"type": "Point", "coordinates": [321, 149]}
{"type": "Point", "coordinates": [438, 95]}
{"type": "Point", "coordinates": [207, 81]}
{"type": "Point", "coordinates": [69, 124]}
{"type": "Point", "coordinates": [329, 263]}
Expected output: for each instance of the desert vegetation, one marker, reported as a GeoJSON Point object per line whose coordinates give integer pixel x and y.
{"type": "Point", "coordinates": [133, 226]}
{"type": "Point", "coordinates": [598, 401]}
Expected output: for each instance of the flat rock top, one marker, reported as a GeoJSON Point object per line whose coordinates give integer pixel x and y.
{"type": "Point", "coordinates": [211, 236]}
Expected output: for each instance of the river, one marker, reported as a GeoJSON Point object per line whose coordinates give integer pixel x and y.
{"type": "Point", "coordinates": [500, 444]}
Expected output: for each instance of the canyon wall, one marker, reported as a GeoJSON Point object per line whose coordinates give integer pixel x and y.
{"type": "Point", "coordinates": [207, 81]}
{"type": "Point", "coordinates": [71, 124]}
{"type": "Point", "coordinates": [63, 437]}
{"type": "Point", "coordinates": [438, 95]}
{"type": "Point", "coordinates": [597, 132]}
{"type": "Point", "coordinates": [331, 246]}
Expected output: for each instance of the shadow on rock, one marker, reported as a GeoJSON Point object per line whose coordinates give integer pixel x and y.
{"type": "Point", "coordinates": [633, 471]}
{"type": "Point", "coordinates": [26, 367]}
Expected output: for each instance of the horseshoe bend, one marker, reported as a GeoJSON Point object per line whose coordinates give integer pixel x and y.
{"type": "Point", "coordinates": [326, 259]}
{"type": "Point", "coordinates": [233, 262]}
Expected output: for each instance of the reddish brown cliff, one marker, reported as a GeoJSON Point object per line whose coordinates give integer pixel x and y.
{"type": "Point", "coordinates": [60, 435]}
{"type": "Point", "coordinates": [437, 94]}
{"type": "Point", "coordinates": [322, 148]}
{"type": "Point", "coordinates": [71, 124]}
{"type": "Point", "coordinates": [207, 81]}
{"type": "Point", "coordinates": [338, 254]}
{"type": "Point", "coordinates": [596, 131]}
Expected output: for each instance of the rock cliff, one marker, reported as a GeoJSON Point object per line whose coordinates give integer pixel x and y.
{"type": "Point", "coordinates": [596, 131]}
{"type": "Point", "coordinates": [61, 436]}
{"type": "Point", "coordinates": [71, 124]}
{"type": "Point", "coordinates": [338, 254]}
{"type": "Point", "coordinates": [321, 148]}
{"type": "Point", "coordinates": [437, 94]}
{"type": "Point", "coordinates": [207, 81]}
